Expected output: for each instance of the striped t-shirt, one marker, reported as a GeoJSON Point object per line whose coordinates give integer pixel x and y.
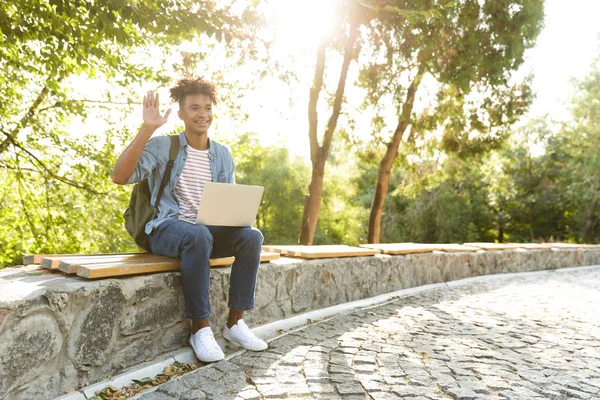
{"type": "Point", "coordinates": [190, 186]}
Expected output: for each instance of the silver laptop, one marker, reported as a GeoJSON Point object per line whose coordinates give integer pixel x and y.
{"type": "Point", "coordinates": [225, 204]}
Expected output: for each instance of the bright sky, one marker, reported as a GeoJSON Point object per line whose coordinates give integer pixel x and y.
{"type": "Point", "coordinates": [278, 111]}
{"type": "Point", "coordinates": [565, 49]}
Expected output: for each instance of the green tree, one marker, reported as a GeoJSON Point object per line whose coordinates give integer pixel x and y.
{"type": "Point", "coordinates": [282, 178]}
{"type": "Point", "coordinates": [349, 21]}
{"type": "Point", "coordinates": [432, 200]}
{"type": "Point", "coordinates": [468, 53]}
{"type": "Point", "coordinates": [554, 194]}
{"type": "Point", "coordinates": [532, 198]}
{"type": "Point", "coordinates": [343, 215]}
{"type": "Point", "coordinates": [347, 40]}
{"type": "Point", "coordinates": [59, 182]}
{"type": "Point", "coordinates": [44, 43]}
{"type": "Point", "coordinates": [578, 142]}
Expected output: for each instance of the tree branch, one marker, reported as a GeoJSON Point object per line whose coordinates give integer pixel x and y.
{"type": "Point", "coordinates": [10, 136]}
{"type": "Point", "coordinates": [387, 87]}
{"type": "Point", "coordinates": [62, 179]}
{"type": "Point", "coordinates": [60, 103]}
{"type": "Point", "coordinates": [5, 142]}
{"type": "Point", "coordinates": [407, 108]}
{"type": "Point", "coordinates": [36, 236]}
{"type": "Point", "coordinates": [339, 94]}
{"type": "Point", "coordinates": [30, 112]}
{"type": "Point", "coordinates": [314, 99]}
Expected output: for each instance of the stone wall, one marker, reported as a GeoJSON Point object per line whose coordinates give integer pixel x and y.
{"type": "Point", "coordinates": [59, 332]}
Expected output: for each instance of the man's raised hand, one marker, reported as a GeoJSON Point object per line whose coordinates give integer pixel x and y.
{"type": "Point", "coordinates": [152, 117]}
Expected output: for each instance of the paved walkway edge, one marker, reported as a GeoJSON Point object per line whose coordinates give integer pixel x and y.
{"type": "Point", "coordinates": [273, 330]}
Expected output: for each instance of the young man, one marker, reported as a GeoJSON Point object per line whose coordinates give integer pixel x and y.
{"type": "Point", "coordinates": [199, 160]}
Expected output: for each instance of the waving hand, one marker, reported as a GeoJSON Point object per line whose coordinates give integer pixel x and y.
{"type": "Point", "coordinates": [152, 117]}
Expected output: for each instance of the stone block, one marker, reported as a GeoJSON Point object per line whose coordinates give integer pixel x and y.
{"type": "Point", "coordinates": [96, 329]}
{"type": "Point", "coordinates": [28, 349]}
{"type": "Point", "coordinates": [152, 314]}
{"type": "Point", "coordinates": [303, 287]}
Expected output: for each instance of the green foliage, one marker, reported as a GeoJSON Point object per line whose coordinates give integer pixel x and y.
{"type": "Point", "coordinates": [463, 174]}
{"type": "Point", "coordinates": [574, 152]}
{"type": "Point", "coordinates": [542, 184]}
{"type": "Point", "coordinates": [44, 216]}
{"type": "Point", "coordinates": [546, 184]}
{"type": "Point", "coordinates": [44, 44]}
{"type": "Point", "coordinates": [530, 195]}
{"type": "Point", "coordinates": [471, 48]}
{"type": "Point", "coordinates": [281, 210]}
{"type": "Point", "coordinates": [59, 181]}
{"type": "Point", "coordinates": [431, 204]}
{"type": "Point", "coordinates": [342, 214]}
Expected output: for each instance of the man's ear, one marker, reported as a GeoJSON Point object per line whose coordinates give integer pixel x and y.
{"type": "Point", "coordinates": [180, 114]}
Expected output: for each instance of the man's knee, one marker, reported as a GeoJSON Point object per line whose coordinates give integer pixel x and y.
{"type": "Point", "coordinates": [199, 236]}
{"type": "Point", "coordinates": [253, 235]}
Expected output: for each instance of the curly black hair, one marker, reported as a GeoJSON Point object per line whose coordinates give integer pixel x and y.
{"type": "Point", "coordinates": [187, 86]}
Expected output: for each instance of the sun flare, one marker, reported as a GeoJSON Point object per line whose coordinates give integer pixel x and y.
{"type": "Point", "coordinates": [299, 25]}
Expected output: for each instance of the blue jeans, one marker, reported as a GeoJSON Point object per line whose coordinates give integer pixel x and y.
{"type": "Point", "coordinates": [194, 245]}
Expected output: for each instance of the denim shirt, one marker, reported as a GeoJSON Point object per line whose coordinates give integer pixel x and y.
{"type": "Point", "coordinates": [152, 164]}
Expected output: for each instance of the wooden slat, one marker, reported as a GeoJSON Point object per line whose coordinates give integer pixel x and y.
{"type": "Point", "coordinates": [290, 249]}
{"type": "Point", "coordinates": [450, 248]}
{"type": "Point", "coordinates": [37, 258]}
{"type": "Point", "coordinates": [323, 251]}
{"type": "Point", "coordinates": [402, 248]}
{"type": "Point", "coordinates": [267, 256]}
{"type": "Point", "coordinates": [122, 269]}
{"type": "Point", "coordinates": [532, 246]}
{"type": "Point", "coordinates": [411, 248]}
{"type": "Point", "coordinates": [221, 262]}
{"type": "Point", "coordinates": [494, 246]}
{"type": "Point", "coordinates": [69, 265]}
{"type": "Point", "coordinates": [565, 245]}
{"type": "Point", "coordinates": [271, 249]}
{"type": "Point", "coordinates": [54, 262]}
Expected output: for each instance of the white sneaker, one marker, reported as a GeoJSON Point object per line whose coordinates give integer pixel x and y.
{"type": "Point", "coordinates": [242, 335]}
{"type": "Point", "coordinates": [205, 346]}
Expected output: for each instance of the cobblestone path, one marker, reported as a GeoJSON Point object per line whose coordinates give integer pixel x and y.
{"type": "Point", "coordinates": [525, 337]}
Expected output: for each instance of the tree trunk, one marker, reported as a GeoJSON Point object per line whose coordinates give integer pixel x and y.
{"type": "Point", "coordinates": [590, 221]}
{"type": "Point", "coordinates": [312, 203]}
{"type": "Point", "coordinates": [319, 154]}
{"type": "Point", "coordinates": [500, 221]}
{"type": "Point", "coordinates": [385, 167]}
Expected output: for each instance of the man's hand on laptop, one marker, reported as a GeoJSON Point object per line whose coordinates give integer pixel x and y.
{"type": "Point", "coordinates": [152, 118]}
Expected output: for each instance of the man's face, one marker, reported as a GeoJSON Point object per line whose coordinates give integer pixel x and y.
{"type": "Point", "coordinates": [196, 113]}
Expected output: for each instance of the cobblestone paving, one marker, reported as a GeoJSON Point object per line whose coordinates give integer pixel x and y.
{"type": "Point", "coordinates": [529, 337]}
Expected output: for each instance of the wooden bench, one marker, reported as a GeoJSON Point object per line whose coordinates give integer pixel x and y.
{"type": "Point", "coordinates": [412, 248]}
{"type": "Point", "coordinates": [93, 266]}
{"type": "Point", "coordinates": [121, 264]}
{"type": "Point", "coordinates": [320, 251]}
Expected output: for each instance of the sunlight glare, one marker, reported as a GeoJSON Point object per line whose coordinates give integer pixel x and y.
{"type": "Point", "coordinates": [299, 25]}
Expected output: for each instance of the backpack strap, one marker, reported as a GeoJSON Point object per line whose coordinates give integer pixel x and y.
{"type": "Point", "coordinates": [173, 151]}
